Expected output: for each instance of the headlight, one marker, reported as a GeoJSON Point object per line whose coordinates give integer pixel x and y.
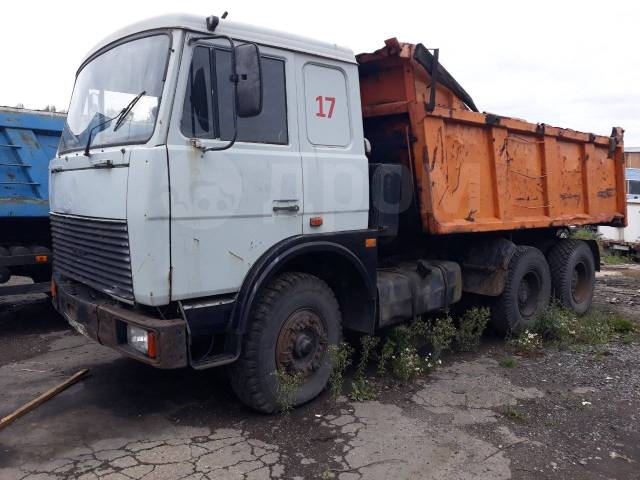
{"type": "Point", "coordinates": [141, 340]}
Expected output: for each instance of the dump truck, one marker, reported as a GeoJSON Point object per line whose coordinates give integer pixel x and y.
{"type": "Point", "coordinates": [225, 194]}
{"type": "Point", "coordinates": [28, 140]}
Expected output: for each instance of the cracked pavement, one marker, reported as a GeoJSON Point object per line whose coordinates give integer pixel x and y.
{"type": "Point", "coordinates": [193, 454]}
{"type": "Point", "coordinates": [130, 421]}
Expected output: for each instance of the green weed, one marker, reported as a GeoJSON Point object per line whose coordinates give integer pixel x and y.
{"type": "Point", "coordinates": [508, 362]}
{"type": "Point", "coordinates": [622, 325]}
{"type": "Point", "coordinates": [528, 342]}
{"type": "Point", "coordinates": [340, 357]}
{"type": "Point", "coordinates": [441, 333]}
{"type": "Point", "coordinates": [362, 390]}
{"type": "Point", "coordinates": [387, 352]}
{"type": "Point", "coordinates": [407, 364]}
{"type": "Point", "coordinates": [614, 259]}
{"type": "Point", "coordinates": [585, 234]}
{"type": "Point", "coordinates": [470, 328]}
{"type": "Point", "coordinates": [564, 327]}
{"type": "Point", "coordinates": [627, 339]}
{"type": "Point", "coordinates": [288, 386]}
{"type": "Point", "coordinates": [514, 414]}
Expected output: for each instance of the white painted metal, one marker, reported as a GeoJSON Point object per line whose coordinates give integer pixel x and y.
{"type": "Point", "coordinates": [198, 221]}
{"type": "Point", "coordinates": [222, 217]}
{"type": "Point", "coordinates": [136, 188]}
{"type": "Point", "coordinates": [148, 214]}
{"type": "Point", "coordinates": [260, 35]}
{"type": "Point", "coordinates": [91, 192]}
{"type": "Point", "coordinates": [629, 234]}
{"type": "Point", "coordinates": [334, 165]}
{"type": "Point", "coordinates": [327, 106]}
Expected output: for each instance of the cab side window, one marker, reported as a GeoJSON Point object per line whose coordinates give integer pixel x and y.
{"type": "Point", "coordinates": [208, 105]}
{"type": "Point", "coordinates": [197, 113]}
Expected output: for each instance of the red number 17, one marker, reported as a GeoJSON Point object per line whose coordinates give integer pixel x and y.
{"type": "Point", "coordinates": [332, 103]}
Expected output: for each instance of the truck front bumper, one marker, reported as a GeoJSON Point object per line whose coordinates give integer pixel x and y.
{"type": "Point", "coordinates": [105, 321]}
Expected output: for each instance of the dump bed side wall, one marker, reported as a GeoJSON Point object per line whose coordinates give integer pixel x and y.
{"type": "Point", "coordinates": [28, 140]}
{"type": "Point", "coordinates": [477, 172]}
{"type": "Point", "coordinates": [486, 173]}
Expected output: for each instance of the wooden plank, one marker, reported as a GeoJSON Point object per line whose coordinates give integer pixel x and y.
{"type": "Point", "coordinates": [26, 408]}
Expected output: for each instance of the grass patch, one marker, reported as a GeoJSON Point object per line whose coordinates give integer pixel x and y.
{"type": "Point", "coordinates": [514, 414]}
{"type": "Point", "coordinates": [471, 326]}
{"type": "Point", "coordinates": [361, 388]}
{"type": "Point", "coordinates": [407, 364]}
{"type": "Point", "coordinates": [526, 343]}
{"type": "Point", "coordinates": [585, 234]}
{"type": "Point", "coordinates": [622, 325]}
{"type": "Point", "coordinates": [614, 259]}
{"type": "Point", "coordinates": [400, 352]}
{"type": "Point", "coordinates": [508, 362]}
{"type": "Point", "coordinates": [440, 335]}
{"type": "Point", "coordinates": [288, 386]}
{"type": "Point", "coordinates": [563, 327]}
{"type": "Point", "coordinates": [627, 339]}
{"type": "Point", "coordinates": [368, 344]}
{"type": "Point", "coordinates": [340, 357]}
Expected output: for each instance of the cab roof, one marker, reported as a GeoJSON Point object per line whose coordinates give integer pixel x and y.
{"type": "Point", "coordinates": [242, 31]}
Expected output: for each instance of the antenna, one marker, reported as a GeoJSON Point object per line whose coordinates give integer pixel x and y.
{"type": "Point", "coordinates": [224, 15]}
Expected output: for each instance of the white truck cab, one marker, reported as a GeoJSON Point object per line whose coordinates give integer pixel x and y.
{"type": "Point", "coordinates": [168, 194]}
{"type": "Point", "coordinates": [301, 157]}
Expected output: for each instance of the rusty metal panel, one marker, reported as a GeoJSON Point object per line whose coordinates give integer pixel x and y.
{"type": "Point", "coordinates": [478, 172]}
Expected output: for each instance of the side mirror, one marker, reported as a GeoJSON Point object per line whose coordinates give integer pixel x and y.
{"type": "Point", "coordinates": [249, 86]}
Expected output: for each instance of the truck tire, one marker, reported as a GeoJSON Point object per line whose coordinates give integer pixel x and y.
{"type": "Point", "coordinates": [526, 292]}
{"type": "Point", "coordinates": [573, 274]}
{"type": "Point", "coordinates": [294, 320]}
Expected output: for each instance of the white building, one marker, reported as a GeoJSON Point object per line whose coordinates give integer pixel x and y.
{"type": "Point", "coordinates": [620, 238]}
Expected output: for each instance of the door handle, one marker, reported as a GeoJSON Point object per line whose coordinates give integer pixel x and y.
{"type": "Point", "coordinates": [288, 208]}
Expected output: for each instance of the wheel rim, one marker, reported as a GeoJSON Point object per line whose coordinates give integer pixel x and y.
{"type": "Point", "coordinates": [302, 343]}
{"type": "Point", "coordinates": [580, 284]}
{"type": "Point", "coordinates": [528, 294]}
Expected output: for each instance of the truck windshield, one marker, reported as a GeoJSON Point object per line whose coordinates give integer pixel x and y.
{"type": "Point", "coordinates": [108, 83]}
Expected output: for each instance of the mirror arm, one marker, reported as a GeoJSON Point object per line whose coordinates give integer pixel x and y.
{"type": "Point", "coordinates": [234, 79]}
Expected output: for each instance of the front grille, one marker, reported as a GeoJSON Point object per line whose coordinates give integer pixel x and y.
{"type": "Point", "coordinates": [93, 251]}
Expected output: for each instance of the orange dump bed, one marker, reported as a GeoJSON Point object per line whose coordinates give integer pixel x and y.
{"type": "Point", "coordinates": [478, 172]}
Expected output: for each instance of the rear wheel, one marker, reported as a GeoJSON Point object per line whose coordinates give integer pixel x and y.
{"type": "Point", "coordinates": [292, 324]}
{"type": "Point", "coordinates": [573, 274]}
{"type": "Point", "coordinates": [526, 293]}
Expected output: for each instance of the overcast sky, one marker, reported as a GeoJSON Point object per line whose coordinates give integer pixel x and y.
{"type": "Point", "coordinates": [565, 63]}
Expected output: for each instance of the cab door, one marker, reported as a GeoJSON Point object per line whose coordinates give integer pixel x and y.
{"type": "Point", "coordinates": [334, 164]}
{"type": "Point", "coordinates": [228, 207]}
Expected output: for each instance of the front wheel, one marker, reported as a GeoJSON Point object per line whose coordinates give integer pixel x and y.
{"type": "Point", "coordinates": [292, 324]}
{"type": "Point", "coordinates": [526, 292]}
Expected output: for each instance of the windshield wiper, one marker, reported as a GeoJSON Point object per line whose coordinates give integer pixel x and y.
{"type": "Point", "coordinates": [127, 109]}
{"type": "Point", "coordinates": [123, 113]}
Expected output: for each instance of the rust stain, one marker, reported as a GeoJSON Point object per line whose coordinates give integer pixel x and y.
{"type": "Point", "coordinates": [570, 196]}
{"type": "Point", "coordinates": [607, 193]}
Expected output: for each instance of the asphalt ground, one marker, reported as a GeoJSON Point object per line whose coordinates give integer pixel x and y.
{"type": "Point", "coordinates": [559, 414]}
